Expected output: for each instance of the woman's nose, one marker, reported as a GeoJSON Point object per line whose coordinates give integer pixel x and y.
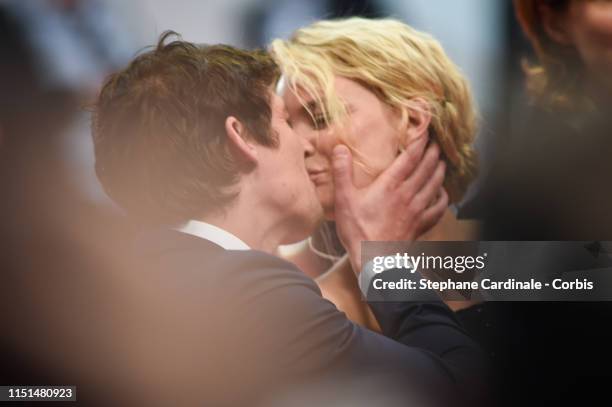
{"type": "Point", "coordinates": [326, 141]}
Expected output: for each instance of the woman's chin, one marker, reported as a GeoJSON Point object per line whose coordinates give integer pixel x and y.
{"type": "Point", "coordinates": [326, 198]}
{"type": "Point", "coordinates": [328, 213]}
{"type": "Point", "coordinates": [327, 203]}
{"type": "Point", "coordinates": [329, 218]}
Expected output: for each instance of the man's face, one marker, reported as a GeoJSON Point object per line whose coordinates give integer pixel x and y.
{"type": "Point", "coordinates": [284, 177]}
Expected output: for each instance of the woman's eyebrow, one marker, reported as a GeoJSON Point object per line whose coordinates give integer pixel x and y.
{"type": "Point", "coordinates": [312, 106]}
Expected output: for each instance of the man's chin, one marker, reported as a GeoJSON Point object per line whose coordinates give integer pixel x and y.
{"type": "Point", "coordinates": [318, 216]}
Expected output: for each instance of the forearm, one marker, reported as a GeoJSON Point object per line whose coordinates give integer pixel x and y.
{"type": "Point", "coordinates": [432, 326]}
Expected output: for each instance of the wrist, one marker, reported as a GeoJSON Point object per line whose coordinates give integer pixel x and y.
{"type": "Point", "coordinates": [354, 254]}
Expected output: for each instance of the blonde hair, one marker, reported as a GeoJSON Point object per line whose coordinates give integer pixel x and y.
{"type": "Point", "coordinates": [399, 64]}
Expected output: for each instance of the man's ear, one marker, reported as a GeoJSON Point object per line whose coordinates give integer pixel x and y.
{"type": "Point", "coordinates": [555, 25]}
{"type": "Point", "coordinates": [243, 149]}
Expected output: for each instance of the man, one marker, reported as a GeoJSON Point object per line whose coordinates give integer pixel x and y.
{"type": "Point", "coordinates": [192, 142]}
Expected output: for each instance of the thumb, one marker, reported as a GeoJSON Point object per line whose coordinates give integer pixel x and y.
{"type": "Point", "coordinates": [343, 173]}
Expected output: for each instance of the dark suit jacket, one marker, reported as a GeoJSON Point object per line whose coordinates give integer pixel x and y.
{"type": "Point", "coordinates": [248, 326]}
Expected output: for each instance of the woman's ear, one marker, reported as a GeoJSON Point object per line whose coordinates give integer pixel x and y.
{"type": "Point", "coordinates": [555, 24]}
{"type": "Point", "coordinates": [243, 149]}
{"type": "Point", "coordinates": [419, 118]}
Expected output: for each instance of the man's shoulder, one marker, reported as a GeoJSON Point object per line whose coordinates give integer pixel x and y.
{"type": "Point", "coordinates": [178, 252]}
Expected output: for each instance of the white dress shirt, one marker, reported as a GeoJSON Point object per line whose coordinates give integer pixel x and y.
{"type": "Point", "coordinates": [214, 234]}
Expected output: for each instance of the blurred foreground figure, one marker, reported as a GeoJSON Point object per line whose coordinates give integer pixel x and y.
{"type": "Point", "coordinates": [551, 181]}
{"type": "Point", "coordinates": [67, 308]}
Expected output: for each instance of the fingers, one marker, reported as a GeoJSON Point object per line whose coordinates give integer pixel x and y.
{"type": "Point", "coordinates": [342, 169]}
{"type": "Point", "coordinates": [424, 171]}
{"type": "Point", "coordinates": [404, 164]}
{"type": "Point", "coordinates": [432, 215]}
{"type": "Point", "coordinates": [430, 191]}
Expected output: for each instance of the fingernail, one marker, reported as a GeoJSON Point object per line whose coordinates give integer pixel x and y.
{"type": "Point", "coordinates": [340, 151]}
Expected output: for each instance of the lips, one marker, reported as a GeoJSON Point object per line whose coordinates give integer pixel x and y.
{"type": "Point", "coordinates": [318, 175]}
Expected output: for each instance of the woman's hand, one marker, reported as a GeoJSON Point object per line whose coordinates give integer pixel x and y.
{"type": "Point", "coordinates": [404, 201]}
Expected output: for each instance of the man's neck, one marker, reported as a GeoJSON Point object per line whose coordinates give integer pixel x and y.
{"type": "Point", "coordinates": [248, 222]}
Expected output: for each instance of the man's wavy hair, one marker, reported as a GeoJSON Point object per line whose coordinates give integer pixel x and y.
{"type": "Point", "coordinates": [159, 127]}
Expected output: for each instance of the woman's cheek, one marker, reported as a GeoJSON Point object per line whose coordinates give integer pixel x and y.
{"type": "Point", "coordinates": [363, 177]}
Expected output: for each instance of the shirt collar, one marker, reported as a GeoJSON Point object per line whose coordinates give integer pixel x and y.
{"type": "Point", "coordinates": [214, 234]}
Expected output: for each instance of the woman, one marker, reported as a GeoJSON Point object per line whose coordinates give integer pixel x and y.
{"type": "Point", "coordinates": [376, 86]}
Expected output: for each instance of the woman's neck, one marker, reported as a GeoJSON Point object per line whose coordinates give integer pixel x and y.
{"type": "Point", "coordinates": [449, 228]}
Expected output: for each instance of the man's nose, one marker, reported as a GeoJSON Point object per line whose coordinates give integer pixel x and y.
{"type": "Point", "coordinates": [309, 148]}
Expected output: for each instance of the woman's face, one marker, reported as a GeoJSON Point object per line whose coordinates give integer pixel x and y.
{"type": "Point", "coordinates": [372, 129]}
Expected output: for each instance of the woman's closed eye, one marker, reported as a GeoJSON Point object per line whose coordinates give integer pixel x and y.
{"type": "Point", "coordinates": [319, 121]}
